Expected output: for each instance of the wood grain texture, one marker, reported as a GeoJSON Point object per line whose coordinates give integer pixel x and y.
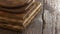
{"type": "Point", "coordinates": [34, 28]}
{"type": "Point", "coordinates": [51, 17]}
{"type": "Point", "coordinates": [13, 3]}
{"type": "Point", "coordinates": [17, 9]}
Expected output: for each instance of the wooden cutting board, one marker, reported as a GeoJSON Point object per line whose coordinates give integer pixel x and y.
{"type": "Point", "coordinates": [21, 16]}
{"type": "Point", "coordinates": [17, 9]}
{"type": "Point", "coordinates": [17, 27]}
{"type": "Point", "coordinates": [24, 22]}
{"type": "Point", "coordinates": [13, 3]}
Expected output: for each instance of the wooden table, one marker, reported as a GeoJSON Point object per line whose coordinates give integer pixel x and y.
{"type": "Point", "coordinates": [34, 28]}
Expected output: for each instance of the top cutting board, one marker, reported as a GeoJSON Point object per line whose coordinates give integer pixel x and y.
{"type": "Point", "coordinates": [13, 3]}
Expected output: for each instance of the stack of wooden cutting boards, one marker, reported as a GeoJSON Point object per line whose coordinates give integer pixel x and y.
{"type": "Point", "coordinates": [18, 14]}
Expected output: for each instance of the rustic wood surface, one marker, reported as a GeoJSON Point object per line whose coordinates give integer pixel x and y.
{"type": "Point", "coordinates": [51, 17]}
{"type": "Point", "coordinates": [46, 22]}
{"type": "Point", "coordinates": [34, 28]}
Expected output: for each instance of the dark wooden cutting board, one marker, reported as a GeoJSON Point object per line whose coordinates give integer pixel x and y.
{"type": "Point", "coordinates": [13, 3]}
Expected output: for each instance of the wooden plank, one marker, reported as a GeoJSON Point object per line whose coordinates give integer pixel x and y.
{"type": "Point", "coordinates": [36, 26]}
{"type": "Point", "coordinates": [51, 17]}
{"type": "Point", "coordinates": [58, 17]}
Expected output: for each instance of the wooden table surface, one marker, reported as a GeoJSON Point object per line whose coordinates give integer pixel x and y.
{"type": "Point", "coordinates": [46, 22]}
{"type": "Point", "coordinates": [34, 28]}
